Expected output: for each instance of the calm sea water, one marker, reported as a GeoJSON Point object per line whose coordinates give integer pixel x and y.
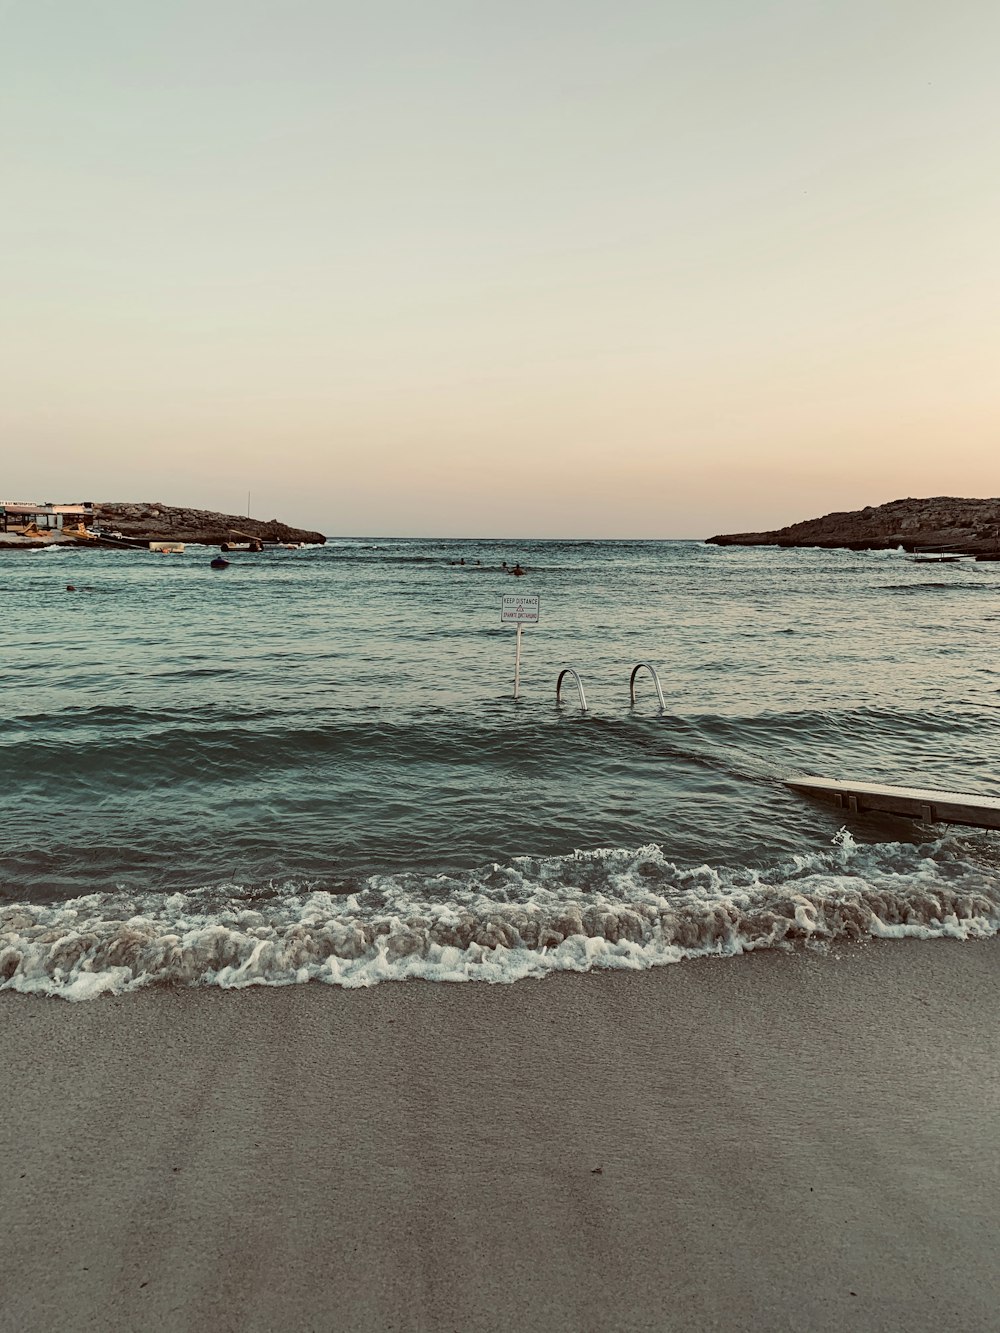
{"type": "Point", "coordinates": [310, 765]}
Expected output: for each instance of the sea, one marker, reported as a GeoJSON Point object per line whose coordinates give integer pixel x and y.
{"type": "Point", "coordinates": [311, 766]}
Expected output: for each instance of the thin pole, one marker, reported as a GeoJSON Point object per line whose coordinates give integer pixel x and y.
{"type": "Point", "coordinates": [517, 664]}
{"type": "Point", "coordinates": [248, 504]}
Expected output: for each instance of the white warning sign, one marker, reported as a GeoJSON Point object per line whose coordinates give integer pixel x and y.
{"type": "Point", "coordinates": [517, 610]}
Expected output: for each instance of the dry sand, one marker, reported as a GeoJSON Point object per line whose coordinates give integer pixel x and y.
{"type": "Point", "coordinates": [770, 1142]}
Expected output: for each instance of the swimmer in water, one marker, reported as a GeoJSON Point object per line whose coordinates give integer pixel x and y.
{"type": "Point", "coordinates": [517, 571]}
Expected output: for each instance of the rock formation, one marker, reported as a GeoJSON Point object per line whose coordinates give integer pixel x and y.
{"type": "Point", "coordinates": [160, 522]}
{"type": "Point", "coordinates": [944, 523]}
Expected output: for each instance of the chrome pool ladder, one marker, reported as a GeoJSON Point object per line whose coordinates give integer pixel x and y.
{"type": "Point", "coordinates": [571, 671]}
{"type": "Point", "coordinates": [656, 681]}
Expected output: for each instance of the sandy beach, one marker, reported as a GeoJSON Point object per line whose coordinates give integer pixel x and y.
{"type": "Point", "coordinates": [775, 1141]}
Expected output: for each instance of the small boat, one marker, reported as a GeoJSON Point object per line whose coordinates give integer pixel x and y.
{"type": "Point", "coordinates": [931, 559]}
{"type": "Point", "coordinates": [219, 563]}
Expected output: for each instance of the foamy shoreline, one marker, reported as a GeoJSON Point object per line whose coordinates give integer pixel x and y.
{"type": "Point", "coordinates": [615, 909]}
{"type": "Point", "coordinates": [779, 1140]}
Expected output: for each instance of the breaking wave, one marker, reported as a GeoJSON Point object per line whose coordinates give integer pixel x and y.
{"type": "Point", "coordinates": [622, 909]}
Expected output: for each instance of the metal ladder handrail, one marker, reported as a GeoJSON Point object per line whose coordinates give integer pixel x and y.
{"type": "Point", "coordinates": [656, 681]}
{"type": "Point", "coordinates": [571, 671]}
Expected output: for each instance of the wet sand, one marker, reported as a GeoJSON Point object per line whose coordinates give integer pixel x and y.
{"type": "Point", "coordinates": [770, 1142]}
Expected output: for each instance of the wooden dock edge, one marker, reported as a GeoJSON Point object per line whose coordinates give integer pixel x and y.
{"type": "Point", "coordinates": [927, 805]}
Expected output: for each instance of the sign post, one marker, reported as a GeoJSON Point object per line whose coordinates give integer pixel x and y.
{"type": "Point", "coordinates": [519, 611]}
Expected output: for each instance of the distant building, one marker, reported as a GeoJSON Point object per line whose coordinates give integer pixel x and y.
{"type": "Point", "coordinates": [16, 516]}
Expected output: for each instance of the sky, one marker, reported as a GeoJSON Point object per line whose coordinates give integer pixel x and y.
{"type": "Point", "coordinates": [559, 268]}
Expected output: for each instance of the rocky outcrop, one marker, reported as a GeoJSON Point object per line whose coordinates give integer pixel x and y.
{"type": "Point", "coordinates": [160, 522]}
{"type": "Point", "coordinates": [944, 523]}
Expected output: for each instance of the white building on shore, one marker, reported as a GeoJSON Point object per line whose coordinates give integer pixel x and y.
{"type": "Point", "coordinates": [19, 516]}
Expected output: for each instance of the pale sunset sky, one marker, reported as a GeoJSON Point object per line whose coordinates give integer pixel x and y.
{"type": "Point", "coordinates": [566, 267]}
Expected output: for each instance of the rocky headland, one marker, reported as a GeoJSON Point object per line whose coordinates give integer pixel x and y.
{"type": "Point", "coordinates": [944, 523]}
{"type": "Point", "coordinates": [160, 522]}
{"type": "Point", "coordinates": [136, 524]}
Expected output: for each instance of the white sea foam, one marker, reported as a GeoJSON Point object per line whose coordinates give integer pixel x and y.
{"type": "Point", "coordinates": [606, 909]}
